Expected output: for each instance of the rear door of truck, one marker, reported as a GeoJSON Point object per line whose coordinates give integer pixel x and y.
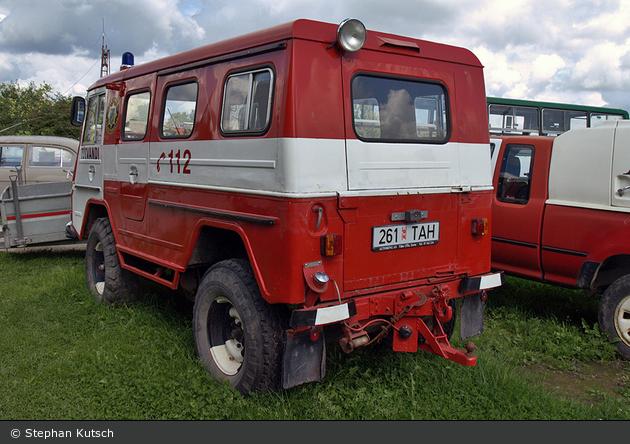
{"type": "Point", "coordinates": [402, 209]}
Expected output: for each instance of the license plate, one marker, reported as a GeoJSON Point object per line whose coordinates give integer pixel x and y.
{"type": "Point", "coordinates": [391, 237]}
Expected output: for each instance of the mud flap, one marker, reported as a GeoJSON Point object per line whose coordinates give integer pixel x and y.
{"type": "Point", "coordinates": [304, 359]}
{"type": "Point", "coordinates": [471, 317]}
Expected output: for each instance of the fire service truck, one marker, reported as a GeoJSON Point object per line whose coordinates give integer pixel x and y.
{"type": "Point", "coordinates": [306, 183]}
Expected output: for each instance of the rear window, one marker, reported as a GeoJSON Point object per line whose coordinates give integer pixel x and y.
{"type": "Point", "coordinates": [399, 110]}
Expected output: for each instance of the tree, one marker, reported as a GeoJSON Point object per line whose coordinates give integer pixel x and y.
{"type": "Point", "coordinates": [35, 110]}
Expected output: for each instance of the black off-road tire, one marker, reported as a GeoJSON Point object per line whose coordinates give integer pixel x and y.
{"type": "Point", "coordinates": [614, 314]}
{"type": "Point", "coordinates": [238, 335]}
{"type": "Point", "coordinates": [105, 278]}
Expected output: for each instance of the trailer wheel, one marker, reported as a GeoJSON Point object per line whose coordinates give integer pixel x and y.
{"type": "Point", "coordinates": [105, 277]}
{"type": "Point", "coordinates": [614, 314]}
{"type": "Point", "coordinates": [238, 335]}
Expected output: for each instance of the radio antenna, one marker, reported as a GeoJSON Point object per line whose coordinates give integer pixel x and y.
{"type": "Point", "coordinates": [104, 55]}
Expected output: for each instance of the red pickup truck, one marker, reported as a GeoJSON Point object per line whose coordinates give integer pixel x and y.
{"type": "Point", "coordinates": [561, 215]}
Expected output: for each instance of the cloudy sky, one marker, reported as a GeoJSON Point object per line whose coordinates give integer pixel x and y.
{"type": "Point", "coordinates": [573, 51]}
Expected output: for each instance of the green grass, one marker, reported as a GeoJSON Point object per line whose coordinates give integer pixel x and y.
{"type": "Point", "coordinates": [65, 357]}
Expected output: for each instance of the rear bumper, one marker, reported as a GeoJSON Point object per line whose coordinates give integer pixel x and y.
{"type": "Point", "coordinates": [312, 317]}
{"type": "Point", "coordinates": [330, 314]}
{"type": "Point", "coordinates": [401, 311]}
{"type": "Point", "coordinates": [480, 283]}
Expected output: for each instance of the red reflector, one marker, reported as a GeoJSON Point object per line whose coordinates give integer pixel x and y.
{"type": "Point", "coordinates": [331, 245]}
{"type": "Point", "coordinates": [480, 226]}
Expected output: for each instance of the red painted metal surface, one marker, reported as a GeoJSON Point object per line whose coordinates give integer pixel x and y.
{"type": "Point", "coordinates": [161, 221]}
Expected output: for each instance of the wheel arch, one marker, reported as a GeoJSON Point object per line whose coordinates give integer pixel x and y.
{"type": "Point", "coordinates": [216, 241]}
{"type": "Point", "coordinates": [93, 210]}
{"type": "Point", "coordinates": [598, 276]}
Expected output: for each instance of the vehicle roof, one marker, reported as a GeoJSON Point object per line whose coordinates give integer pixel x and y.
{"type": "Point", "coordinates": [556, 105]}
{"type": "Point", "coordinates": [45, 140]}
{"type": "Point", "coordinates": [298, 29]}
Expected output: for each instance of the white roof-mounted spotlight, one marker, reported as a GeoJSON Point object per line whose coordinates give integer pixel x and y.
{"type": "Point", "coordinates": [351, 35]}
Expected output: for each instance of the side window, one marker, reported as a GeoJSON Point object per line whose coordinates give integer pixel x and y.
{"type": "Point", "coordinates": [247, 102]}
{"type": "Point", "coordinates": [11, 156]}
{"type": "Point", "coordinates": [178, 114]}
{"type": "Point", "coordinates": [399, 110]}
{"type": "Point", "coordinates": [557, 121]}
{"type": "Point", "coordinates": [93, 131]}
{"type": "Point", "coordinates": [136, 116]}
{"type": "Point", "coordinates": [516, 174]}
{"type": "Point", "coordinates": [48, 156]}
{"type": "Point", "coordinates": [505, 119]}
{"type": "Point", "coordinates": [599, 118]}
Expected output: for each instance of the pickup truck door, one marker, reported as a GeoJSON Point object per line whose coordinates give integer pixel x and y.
{"type": "Point", "coordinates": [517, 210]}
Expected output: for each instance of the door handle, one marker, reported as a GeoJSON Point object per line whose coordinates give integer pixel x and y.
{"type": "Point", "coordinates": [620, 191]}
{"type": "Point", "coordinates": [133, 174]}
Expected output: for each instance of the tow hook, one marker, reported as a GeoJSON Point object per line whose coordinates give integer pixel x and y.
{"type": "Point", "coordinates": [443, 311]}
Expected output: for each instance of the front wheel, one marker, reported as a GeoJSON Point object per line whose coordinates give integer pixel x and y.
{"type": "Point", "coordinates": [614, 314]}
{"type": "Point", "coordinates": [105, 277]}
{"type": "Point", "coordinates": [238, 335]}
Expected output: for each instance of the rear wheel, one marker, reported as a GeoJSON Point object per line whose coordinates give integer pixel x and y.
{"type": "Point", "coordinates": [238, 335]}
{"type": "Point", "coordinates": [614, 314]}
{"type": "Point", "coordinates": [105, 277]}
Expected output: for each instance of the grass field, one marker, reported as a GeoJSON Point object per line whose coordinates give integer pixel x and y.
{"type": "Point", "coordinates": [65, 357]}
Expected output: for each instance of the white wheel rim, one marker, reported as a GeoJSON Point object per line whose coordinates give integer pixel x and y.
{"type": "Point", "coordinates": [229, 356]}
{"type": "Point", "coordinates": [100, 285]}
{"type": "Point", "coordinates": [622, 319]}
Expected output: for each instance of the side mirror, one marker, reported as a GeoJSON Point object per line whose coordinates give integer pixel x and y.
{"type": "Point", "coordinates": [77, 111]}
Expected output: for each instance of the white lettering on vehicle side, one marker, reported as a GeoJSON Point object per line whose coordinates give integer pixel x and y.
{"type": "Point", "coordinates": [90, 152]}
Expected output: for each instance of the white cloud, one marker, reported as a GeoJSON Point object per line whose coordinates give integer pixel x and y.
{"type": "Point", "coordinates": [562, 50]}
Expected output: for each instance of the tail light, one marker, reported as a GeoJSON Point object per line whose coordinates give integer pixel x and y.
{"type": "Point", "coordinates": [331, 244]}
{"type": "Point", "coordinates": [480, 226]}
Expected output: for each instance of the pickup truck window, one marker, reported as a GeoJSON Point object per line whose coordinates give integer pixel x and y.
{"type": "Point", "coordinates": [515, 174]}
{"type": "Point", "coordinates": [399, 110]}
